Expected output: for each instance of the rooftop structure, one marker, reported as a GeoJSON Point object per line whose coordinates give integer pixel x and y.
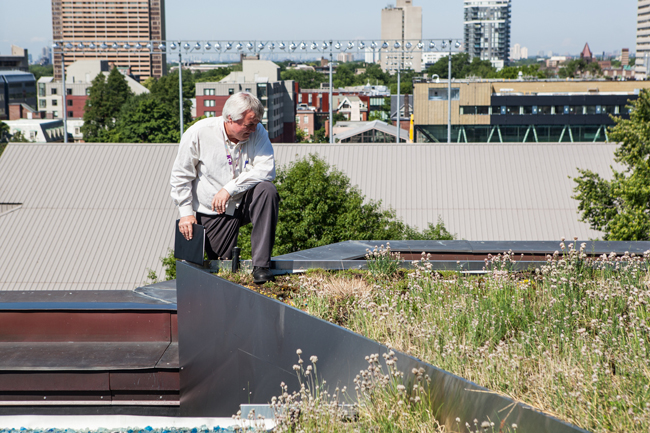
{"type": "Point", "coordinates": [17, 61]}
{"type": "Point", "coordinates": [369, 132]}
{"type": "Point", "coordinates": [401, 23]}
{"type": "Point", "coordinates": [118, 21]}
{"type": "Point", "coordinates": [521, 111]}
{"type": "Point", "coordinates": [487, 30]}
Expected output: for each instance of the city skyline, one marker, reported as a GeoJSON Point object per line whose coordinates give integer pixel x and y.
{"type": "Point", "coordinates": [562, 27]}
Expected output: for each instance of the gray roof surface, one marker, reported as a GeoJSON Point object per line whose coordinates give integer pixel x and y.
{"type": "Point", "coordinates": [93, 216]}
{"type": "Point", "coordinates": [98, 216]}
{"type": "Point", "coordinates": [481, 191]}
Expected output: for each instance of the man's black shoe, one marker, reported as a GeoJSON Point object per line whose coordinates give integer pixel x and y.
{"type": "Point", "coordinates": [262, 275]}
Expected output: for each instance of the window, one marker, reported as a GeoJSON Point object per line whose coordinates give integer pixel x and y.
{"type": "Point", "coordinates": [248, 89]}
{"type": "Point", "coordinates": [208, 103]}
{"type": "Point", "coordinates": [70, 102]}
{"type": "Point", "coordinates": [306, 120]}
{"type": "Point", "coordinates": [42, 103]}
{"type": "Point", "coordinates": [210, 113]}
{"type": "Point", "coordinates": [440, 94]}
{"type": "Point", "coordinates": [53, 91]}
{"type": "Point", "coordinates": [298, 119]}
{"type": "Point", "coordinates": [70, 114]}
{"type": "Point", "coordinates": [55, 102]}
{"type": "Point", "coordinates": [41, 89]}
{"type": "Point", "coordinates": [32, 135]}
{"type": "Point", "coordinates": [77, 131]}
{"type": "Point", "coordinates": [208, 92]}
{"type": "Point", "coordinates": [231, 91]}
{"type": "Point", "coordinates": [528, 109]}
{"type": "Point", "coordinates": [88, 91]}
{"type": "Point", "coordinates": [512, 110]}
{"type": "Point", "coordinates": [69, 91]}
{"type": "Point", "coordinates": [55, 114]}
{"type": "Point", "coordinates": [544, 109]}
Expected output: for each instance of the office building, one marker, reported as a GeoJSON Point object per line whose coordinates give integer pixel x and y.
{"type": "Point", "coordinates": [401, 23]}
{"type": "Point", "coordinates": [17, 61]}
{"type": "Point", "coordinates": [16, 87]}
{"type": "Point", "coordinates": [642, 65]}
{"type": "Point", "coordinates": [512, 111]}
{"type": "Point", "coordinates": [487, 30]}
{"type": "Point", "coordinates": [104, 22]}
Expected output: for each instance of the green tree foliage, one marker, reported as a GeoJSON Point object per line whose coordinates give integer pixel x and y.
{"type": "Point", "coordinates": [165, 89]}
{"type": "Point", "coordinates": [319, 206]}
{"type": "Point", "coordinates": [621, 207]}
{"type": "Point", "coordinates": [579, 68]}
{"type": "Point", "coordinates": [95, 110]}
{"type": "Point", "coordinates": [307, 79]}
{"type": "Point", "coordinates": [301, 136]}
{"type": "Point", "coordinates": [41, 71]}
{"type": "Point", "coordinates": [105, 100]}
{"type": "Point", "coordinates": [462, 67]}
{"type": "Point", "coordinates": [4, 136]}
{"type": "Point", "coordinates": [145, 119]}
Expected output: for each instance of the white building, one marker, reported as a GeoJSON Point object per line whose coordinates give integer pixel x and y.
{"type": "Point", "coordinates": [431, 57]}
{"type": "Point", "coordinates": [37, 130]}
{"type": "Point", "coordinates": [401, 23]}
{"type": "Point", "coordinates": [642, 65]}
{"type": "Point", "coordinates": [487, 30]}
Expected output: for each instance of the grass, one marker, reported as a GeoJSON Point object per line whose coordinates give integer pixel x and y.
{"type": "Point", "coordinates": [571, 338]}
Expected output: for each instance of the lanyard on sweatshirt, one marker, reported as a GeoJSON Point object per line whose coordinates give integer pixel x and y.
{"type": "Point", "coordinates": [229, 156]}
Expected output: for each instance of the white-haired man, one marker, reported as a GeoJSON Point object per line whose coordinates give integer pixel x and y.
{"type": "Point", "coordinates": [223, 173]}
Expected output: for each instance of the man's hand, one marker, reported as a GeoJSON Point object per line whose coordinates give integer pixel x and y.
{"type": "Point", "coordinates": [219, 201]}
{"type": "Point", "coordinates": [185, 226]}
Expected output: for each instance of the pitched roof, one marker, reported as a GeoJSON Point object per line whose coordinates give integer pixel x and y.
{"type": "Point", "coordinates": [481, 191]}
{"type": "Point", "coordinates": [586, 52]}
{"type": "Point", "coordinates": [93, 216]}
{"type": "Point", "coordinates": [367, 126]}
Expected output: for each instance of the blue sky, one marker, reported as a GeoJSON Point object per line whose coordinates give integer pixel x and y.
{"type": "Point", "coordinates": [562, 26]}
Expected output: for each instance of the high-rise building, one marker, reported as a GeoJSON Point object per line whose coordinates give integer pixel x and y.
{"type": "Point", "coordinates": [401, 23]}
{"type": "Point", "coordinates": [642, 68]}
{"type": "Point", "coordinates": [515, 52]}
{"type": "Point", "coordinates": [487, 30]}
{"type": "Point", "coordinates": [524, 52]}
{"type": "Point", "coordinates": [104, 22]}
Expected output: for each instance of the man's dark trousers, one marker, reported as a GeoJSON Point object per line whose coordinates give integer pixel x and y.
{"type": "Point", "coordinates": [260, 206]}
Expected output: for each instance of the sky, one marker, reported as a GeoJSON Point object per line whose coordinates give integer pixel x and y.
{"type": "Point", "coordinates": [561, 26]}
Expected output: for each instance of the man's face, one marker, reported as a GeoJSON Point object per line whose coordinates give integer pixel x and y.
{"type": "Point", "coordinates": [240, 130]}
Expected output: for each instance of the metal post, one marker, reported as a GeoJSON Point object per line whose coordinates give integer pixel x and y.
{"type": "Point", "coordinates": [398, 104]}
{"type": "Point", "coordinates": [65, 100]}
{"type": "Point", "coordinates": [331, 132]}
{"type": "Point", "coordinates": [180, 86]}
{"type": "Point", "coordinates": [449, 98]}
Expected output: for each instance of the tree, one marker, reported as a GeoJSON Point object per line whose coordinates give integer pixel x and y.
{"type": "Point", "coordinates": [621, 207]}
{"type": "Point", "coordinates": [319, 207]}
{"type": "Point", "coordinates": [306, 78]}
{"type": "Point", "coordinates": [301, 136]}
{"type": "Point", "coordinates": [4, 136]}
{"type": "Point", "coordinates": [145, 119]}
{"type": "Point", "coordinates": [579, 67]}
{"type": "Point", "coordinates": [95, 110]}
{"type": "Point", "coordinates": [41, 71]}
{"type": "Point", "coordinates": [105, 100]}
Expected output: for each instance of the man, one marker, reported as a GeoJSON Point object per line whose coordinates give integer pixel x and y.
{"type": "Point", "coordinates": [223, 173]}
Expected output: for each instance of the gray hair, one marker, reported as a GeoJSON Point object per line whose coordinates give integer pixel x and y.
{"type": "Point", "coordinates": [239, 103]}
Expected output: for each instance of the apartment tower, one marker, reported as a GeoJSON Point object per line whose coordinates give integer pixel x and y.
{"type": "Point", "coordinates": [109, 22]}
{"type": "Point", "coordinates": [642, 65]}
{"type": "Point", "coordinates": [401, 23]}
{"type": "Point", "coordinates": [487, 30]}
